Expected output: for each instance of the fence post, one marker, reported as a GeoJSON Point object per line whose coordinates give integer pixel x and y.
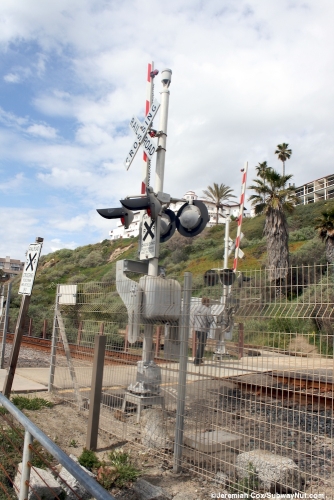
{"type": "Point", "coordinates": [53, 345]}
{"type": "Point", "coordinates": [157, 341]}
{"type": "Point", "coordinates": [96, 390]}
{"type": "Point", "coordinates": [44, 329]}
{"type": "Point", "coordinates": [181, 388]}
{"type": "Point", "coordinates": [5, 326]}
{"type": "Point", "coordinates": [126, 342]}
{"type": "Point", "coordinates": [193, 342]}
{"type": "Point", "coordinates": [26, 460]}
{"type": "Point", "coordinates": [241, 341]}
{"type": "Point", "coordinates": [79, 333]}
{"type": "Point", "coordinates": [30, 328]}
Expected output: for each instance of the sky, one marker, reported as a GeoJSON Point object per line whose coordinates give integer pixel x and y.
{"type": "Point", "coordinates": [246, 76]}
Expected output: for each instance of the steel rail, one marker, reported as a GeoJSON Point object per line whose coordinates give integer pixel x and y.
{"type": "Point", "coordinates": [78, 351]}
{"type": "Point", "coordinates": [290, 387]}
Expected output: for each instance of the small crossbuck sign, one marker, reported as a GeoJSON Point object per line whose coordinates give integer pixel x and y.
{"type": "Point", "coordinates": [142, 138]}
{"type": "Point", "coordinates": [148, 239]}
{"type": "Point", "coordinates": [30, 266]}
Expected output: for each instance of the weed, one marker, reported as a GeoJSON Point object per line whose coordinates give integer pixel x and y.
{"type": "Point", "coordinates": [11, 445]}
{"type": "Point", "coordinates": [73, 443]}
{"type": "Point", "coordinates": [248, 484]}
{"type": "Point", "coordinates": [127, 472]}
{"type": "Point", "coordinates": [24, 403]}
{"type": "Point", "coordinates": [89, 459]}
{"type": "Point", "coordinates": [107, 476]}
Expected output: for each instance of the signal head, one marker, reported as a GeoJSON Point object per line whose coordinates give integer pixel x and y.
{"type": "Point", "coordinates": [122, 213]}
{"type": "Point", "coordinates": [168, 225]}
{"type": "Point", "coordinates": [148, 202]}
{"type": "Point", "coordinates": [192, 219]}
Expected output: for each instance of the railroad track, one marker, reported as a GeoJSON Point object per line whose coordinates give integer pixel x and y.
{"type": "Point", "coordinates": [79, 351]}
{"type": "Point", "coordinates": [310, 387]}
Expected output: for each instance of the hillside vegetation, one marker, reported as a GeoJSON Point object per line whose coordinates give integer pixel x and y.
{"type": "Point", "coordinates": [97, 262]}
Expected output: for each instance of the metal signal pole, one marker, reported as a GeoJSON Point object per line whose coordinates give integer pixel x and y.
{"type": "Point", "coordinates": [166, 75]}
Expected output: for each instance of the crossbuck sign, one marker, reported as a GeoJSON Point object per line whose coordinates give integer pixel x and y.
{"type": "Point", "coordinates": [142, 137]}
{"type": "Point", "coordinates": [148, 238]}
{"type": "Point", "coordinates": [30, 266]}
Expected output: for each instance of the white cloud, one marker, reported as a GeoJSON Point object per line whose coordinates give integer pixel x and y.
{"type": "Point", "coordinates": [58, 244]}
{"type": "Point", "coordinates": [12, 78]}
{"type": "Point", "coordinates": [42, 131]}
{"type": "Point", "coordinates": [13, 184]}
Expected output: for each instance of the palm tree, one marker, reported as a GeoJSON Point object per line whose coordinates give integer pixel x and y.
{"type": "Point", "coordinates": [218, 194]}
{"type": "Point", "coordinates": [261, 169]}
{"type": "Point", "coordinates": [283, 153]}
{"type": "Point", "coordinates": [273, 199]}
{"type": "Point", "coordinates": [325, 228]}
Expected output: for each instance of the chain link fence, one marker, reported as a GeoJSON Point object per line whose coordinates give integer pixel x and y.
{"type": "Point", "coordinates": [255, 411]}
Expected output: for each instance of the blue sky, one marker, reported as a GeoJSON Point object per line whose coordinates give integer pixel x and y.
{"type": "Point", "coordinates": [247, 75]}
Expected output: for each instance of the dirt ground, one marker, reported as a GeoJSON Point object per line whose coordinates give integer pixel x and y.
{"type": "Point", "coordinates": [66, 426]}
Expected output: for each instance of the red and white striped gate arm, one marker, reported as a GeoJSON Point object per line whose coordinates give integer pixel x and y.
{"type": "Point", "coordinates": [148, 102]}
{"type": "Point", "coordinates": [241, 213]}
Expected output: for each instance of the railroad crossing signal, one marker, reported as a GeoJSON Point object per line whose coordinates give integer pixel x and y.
{"type": "Point", "coordinates": [143, 139]}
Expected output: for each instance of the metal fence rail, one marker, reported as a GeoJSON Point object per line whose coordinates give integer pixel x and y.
{"type": "Point", "coordinates": [255, 414]}
{"type": "Point", "coordinates": [19, 440]}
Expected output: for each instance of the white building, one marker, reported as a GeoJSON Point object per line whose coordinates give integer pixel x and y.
{"type": "Point", "coordinates": [320, 189]}
{"type": "Point", "coordinates": [11, 267]}
{"type": "Point", "coordinates": [133, 230]}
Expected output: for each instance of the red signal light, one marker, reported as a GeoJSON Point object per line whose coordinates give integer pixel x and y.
{"type": "Point", "coordinates": [123, 221]}
{"type": "Point", "coordinates": [149, 213]}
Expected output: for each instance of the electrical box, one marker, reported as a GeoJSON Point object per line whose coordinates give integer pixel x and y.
{"type": "Point", "coordinates": [68, 294]}
{"type": "Point", "coordinates": [161, 298]}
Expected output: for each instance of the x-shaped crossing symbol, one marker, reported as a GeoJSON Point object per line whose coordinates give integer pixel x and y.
{"type": "Point", "coordinates": [31, 261]}
{"type": "Point", "coordinates": [149, 230]}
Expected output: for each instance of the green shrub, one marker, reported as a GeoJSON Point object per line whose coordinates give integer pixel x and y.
{"type": "Point", "coordinates": [24, 403]}
{"type": "Point", "coordinates": [89, 459]}
{"type": "Point", "coordinates": [77, 278]}
{"type": "Point", "coordinates": [64, 253]}
{"type": "Point", "coordinates": [244, 243]}
{"type": "Point", "coordinates": [126, 470]}
{"type": "Point", "coordinates": [178, 256]}
{"type": "Point", "coordinates": [312, 252]}
{"type": "Point", "coordinates": [11, 446]}
{"type": "Point", "coordinates": [202, 244]}
{"type": "Point", "coordinates": [93, 259]}
{"type": "Point", "coordinates": [218, 253]}
{"type": "Point", "coordinates": [305, 233]}
{"type": "Point", "coordinates": [110, 275]}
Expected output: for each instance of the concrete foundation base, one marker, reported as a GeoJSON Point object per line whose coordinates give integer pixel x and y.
{"type": "Point", "coordinates": [142, 401]}
{"type": "Point", "coordinates": [213, 441]}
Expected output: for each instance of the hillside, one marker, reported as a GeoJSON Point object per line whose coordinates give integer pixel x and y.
{"type": "Point", "coordinates": [96, 262]}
